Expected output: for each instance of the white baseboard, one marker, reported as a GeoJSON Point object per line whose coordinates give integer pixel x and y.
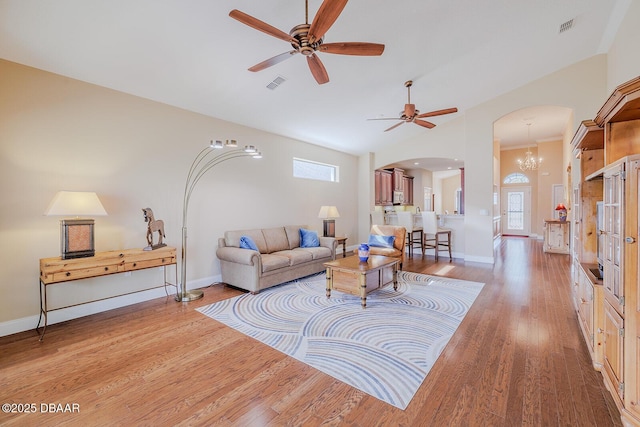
{"type": "Point", "coordinates": [75, 312]}
{"type": "Point", "coordinates": [483, 259]}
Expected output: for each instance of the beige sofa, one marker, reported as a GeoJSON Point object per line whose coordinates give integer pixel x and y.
{"type": "Point", "coordinates": [279, 257]}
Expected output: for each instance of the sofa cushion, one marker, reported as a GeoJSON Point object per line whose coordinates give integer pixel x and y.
{"type": "Point", "coordinates": [276, 239]}
{"type": "Point", "coordinates": [392, 230]}
{"type": "Point", "coordinates": [380, 241]}
{"type": "Point", "coordinates": [295, 257]}
{"type": "Point", "coordinates": [247, 242]}
{"type": "Point", "coordinates": [317, 252]}
{"type": "Point", "coordinates": [232, 238]}
{"type": "Point", "coordinates": [272, 262]}
{"type": "Point", "coordinates": [308, 239]}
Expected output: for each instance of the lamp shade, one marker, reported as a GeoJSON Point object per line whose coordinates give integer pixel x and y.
{"type": "Point", "coordinates": [75, 203]}
{"type": "Point", "coordinates": [328, 212]}
{"type": "Point", "coordinates": [560, 207]}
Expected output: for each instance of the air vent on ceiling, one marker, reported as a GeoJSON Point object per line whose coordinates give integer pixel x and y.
{"type": "Point", "coordinates": [276, 82]}
{"type": "Point", "coordinates": [566, 26]}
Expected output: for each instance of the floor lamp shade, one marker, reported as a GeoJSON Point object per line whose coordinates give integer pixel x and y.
{"type": "Point", "coordinates": [77, 234]}
{"type": "Point", "coordinates": [328, 213]}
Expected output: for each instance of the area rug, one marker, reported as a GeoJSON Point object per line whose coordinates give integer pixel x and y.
{"type": "Point", "coordinates": [385, 350]}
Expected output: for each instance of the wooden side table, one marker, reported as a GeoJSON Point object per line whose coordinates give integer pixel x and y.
{"type": "Point", "coordinates": [556, 236]}
{"type": "Point", "coordinates": [57, 270]}
{"type": "Point", "coordinates": [342, 240]}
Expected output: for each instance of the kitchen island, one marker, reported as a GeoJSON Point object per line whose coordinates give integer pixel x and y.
{"type": "Point", "coordinates": [453, 222]}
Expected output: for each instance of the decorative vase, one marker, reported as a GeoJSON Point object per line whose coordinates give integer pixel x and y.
{"type": "Point", "coordinates": [363, 252]}
{"type": "Point", "coordinates": [562, 212]}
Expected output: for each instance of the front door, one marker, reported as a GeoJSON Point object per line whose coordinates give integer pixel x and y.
{"type": "Point", "coordinates": [516, 211]}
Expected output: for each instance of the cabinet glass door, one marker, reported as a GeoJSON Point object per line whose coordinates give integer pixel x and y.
{"type": "Point", "coordinates": [613, 226]}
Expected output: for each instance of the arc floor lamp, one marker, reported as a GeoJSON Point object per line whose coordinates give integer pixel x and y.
{"type": "Point", "coordinates": [206, 160]}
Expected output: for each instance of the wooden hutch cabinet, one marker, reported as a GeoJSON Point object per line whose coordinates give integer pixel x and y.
{"type": "Point", "coordinates": [588, 295]}
{"type": "Point", "coordinates": [613, 319]}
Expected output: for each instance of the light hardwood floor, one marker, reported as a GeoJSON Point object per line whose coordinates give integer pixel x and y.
{"type": "Point", "coordinates": [517, 359]}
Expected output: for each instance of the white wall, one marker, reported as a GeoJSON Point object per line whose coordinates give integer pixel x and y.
{"type": "Point", "coordinates": [58, 133]}
{"type": "Point", "coordinates": [623, 61]}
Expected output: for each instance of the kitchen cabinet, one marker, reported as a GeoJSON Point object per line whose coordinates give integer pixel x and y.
{"type": "Point", "coordinates": [389, 181]}
{"type": "Point", "coordinates": [398, 182]}
{"type": "Point", "coordinates": [408, 190]}
{"type": "Point", "coordinates": [383, 188]}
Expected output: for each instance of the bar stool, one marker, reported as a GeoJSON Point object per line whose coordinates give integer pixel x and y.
{"type": "Point", "coordinates": [434, 236]}
{"type": "Point", "coordinates": [405, 219]}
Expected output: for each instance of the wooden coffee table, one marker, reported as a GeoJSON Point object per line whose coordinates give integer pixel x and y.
{"type": "Point", "coordinates": [357, 278]}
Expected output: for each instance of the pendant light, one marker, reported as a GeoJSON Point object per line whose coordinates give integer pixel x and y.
{"type": "Point", "coordinates": [529, 163]}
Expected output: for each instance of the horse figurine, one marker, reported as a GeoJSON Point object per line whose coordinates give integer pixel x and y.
{"type": "Point", "coordinates": [153, 226]}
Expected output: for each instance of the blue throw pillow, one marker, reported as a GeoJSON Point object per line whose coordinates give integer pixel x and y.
{"type": "Point", "coordinates": [379, 241]}
{"type": "Point", "coordinates": [309, 239]}
{"type": "Point", "coordinates": [247, 242]}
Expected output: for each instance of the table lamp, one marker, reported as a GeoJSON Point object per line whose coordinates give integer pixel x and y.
{"type": "Point", "coordinates": [76, 235]}
{"type": "Point", "coordinates": [328, 213]}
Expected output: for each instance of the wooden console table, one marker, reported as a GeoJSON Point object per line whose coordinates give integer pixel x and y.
{"type": "Point", "coordinates": [57, 270]}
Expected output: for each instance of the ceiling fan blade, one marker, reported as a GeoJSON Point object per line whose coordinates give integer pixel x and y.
{"type": "Point", "coordinates": [353, 48]}
{"type": "Point", "coordinates": [324, 19]}
{"type": "Point", "coordinates": [317, 69]}
{"type": "Point", "coordinates": [388, 118]}
{"type": "Point", "coordinates": [424, 123]}
{"type": "Point", "coordinates": [437, 113]}
{"type": "Point", "coordinates": [273, 61]}
{"type": "Point", "coordinates": [394, 126]}
{"type": "Point", "coordinates": [261, 26]}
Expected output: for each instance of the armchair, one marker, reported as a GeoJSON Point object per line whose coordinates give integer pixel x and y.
{"type": "Point", "coordinates": [397, 251]}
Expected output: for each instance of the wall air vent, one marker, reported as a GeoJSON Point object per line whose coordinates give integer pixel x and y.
{"type": "Point", "coordinates": [566, 26]}
{"type": "Point", "coordinates": [276, 82]}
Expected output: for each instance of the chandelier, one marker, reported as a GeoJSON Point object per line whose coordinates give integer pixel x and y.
{"type": "Point", "coordinates": [529, 163]}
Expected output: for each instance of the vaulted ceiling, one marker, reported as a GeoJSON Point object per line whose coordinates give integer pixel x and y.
{"type": "Point", "coordinates": [191, 54]}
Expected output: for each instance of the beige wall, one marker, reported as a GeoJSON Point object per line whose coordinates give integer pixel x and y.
{"type": "Point", "coordinates": [541, 181]}
{"type": "Point", "coordinates": [58, 133]}
{"type": "Point", "coordinates": [448, 195]}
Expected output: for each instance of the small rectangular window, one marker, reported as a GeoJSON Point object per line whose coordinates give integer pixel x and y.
{"type": "Point", "coordinates": [315, 170]}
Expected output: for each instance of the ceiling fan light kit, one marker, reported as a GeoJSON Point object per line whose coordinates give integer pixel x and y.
{"type": "Point", "coordinates": [411, 115]}
{"type": "Point", "coordinates": [307, 39]}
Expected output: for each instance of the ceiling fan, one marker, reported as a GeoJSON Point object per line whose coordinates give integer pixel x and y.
{"type": "Point", "coordinates": [307, 39]}
{"type": "Point", "coordinates": [411, 115]}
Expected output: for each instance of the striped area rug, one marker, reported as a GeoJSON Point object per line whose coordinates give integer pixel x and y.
{"type": "Point", "coordinates": [385, 350]}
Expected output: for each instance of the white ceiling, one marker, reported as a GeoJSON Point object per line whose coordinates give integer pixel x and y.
{"type": "Point", "coordinates": [191, 54]}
